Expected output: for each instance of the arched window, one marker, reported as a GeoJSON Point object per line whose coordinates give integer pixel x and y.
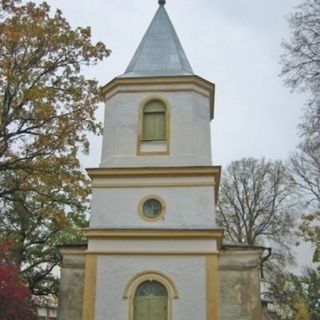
{"type": "Point", "coordinates": [154, 121]}
{"type": "Point", "coordinates": [150, 302]}
{"type": "Point", "coordinates": [150, 296]}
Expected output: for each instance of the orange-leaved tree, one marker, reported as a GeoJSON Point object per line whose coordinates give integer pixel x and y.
{"type": "Point", "coordinates": [47, 109]}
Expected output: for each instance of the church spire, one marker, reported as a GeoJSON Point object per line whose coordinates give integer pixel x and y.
{"type": "Point", "coordinates": [160, 52]}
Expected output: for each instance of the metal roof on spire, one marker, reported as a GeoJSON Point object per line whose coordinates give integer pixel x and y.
{"type": "Point", "coordinates": [160, 52]}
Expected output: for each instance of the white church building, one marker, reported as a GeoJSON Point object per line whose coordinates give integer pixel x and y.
{"type": "Point", "coordinates": [154, 250]}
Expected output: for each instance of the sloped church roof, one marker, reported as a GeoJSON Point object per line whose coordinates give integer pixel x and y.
{"type": "Point", "coordinates": [160, 52]}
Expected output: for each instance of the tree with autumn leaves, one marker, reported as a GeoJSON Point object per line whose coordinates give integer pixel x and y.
{"type": "Point", "coordinates": [15, 297]}
{"type": "Point", "coordinates": [47, 109]}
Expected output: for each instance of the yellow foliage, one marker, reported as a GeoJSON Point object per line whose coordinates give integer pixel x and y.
{"type": "Point", "coordinates": [301, 310]}
{"type": "Point", "coordinates": [47, 111]}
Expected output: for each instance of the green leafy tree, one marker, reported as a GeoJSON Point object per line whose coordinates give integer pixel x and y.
{"type": "Point", "coordinates": [309, 287]}
{"type": "Point", "coordinates": [297, 297]}
{"type": "Point", "coordinates": [47, 108]}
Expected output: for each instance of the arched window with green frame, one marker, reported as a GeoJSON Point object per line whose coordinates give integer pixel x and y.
{"type": "Point", "coordinates": [154, 121]}
{"type": "Point", "coordinates": [150, 302]}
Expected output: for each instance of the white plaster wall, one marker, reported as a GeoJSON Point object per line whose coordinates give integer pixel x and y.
{"type": "Point", "coordinates": [184, 245]}
{"type": "Point", "coordinates": [189, 130]}
{"type": "Point", "coordinates": [185, 207]}
{"type": "Point", "coordinates": [188, 274]}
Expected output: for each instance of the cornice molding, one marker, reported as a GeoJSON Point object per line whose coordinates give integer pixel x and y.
{"type": "Point", "coordinates": [154, 171]}
{"type": "Point", "coordinates": [96, 174]}
{"type": "Point", "coordinates": [154, 234]}
{"type": "Point", "coordinates": [112, 87]}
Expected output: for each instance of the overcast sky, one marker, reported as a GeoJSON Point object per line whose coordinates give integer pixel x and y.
{"type": "Point", "coordinates": [234, 43]}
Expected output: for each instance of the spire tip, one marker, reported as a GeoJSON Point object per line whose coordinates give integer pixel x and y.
{"type": "Point", "coordinates": [162, 2]}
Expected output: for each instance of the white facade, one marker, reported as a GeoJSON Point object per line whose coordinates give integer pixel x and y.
{"type": "Point", "coordinates": [179, 248]}
{"type": "Point", "coordinates": [167, 173]}
{"type": "Point", "coordinates": [168, 246]}
{"type": "Point", "coordinates": [183, 244]}
{"type": "Point", "coordinates": [189, 113]}
{"type": "Point", "coordinates": [185, 206]}
{"type": "Point", "coordinates": [188, 274]}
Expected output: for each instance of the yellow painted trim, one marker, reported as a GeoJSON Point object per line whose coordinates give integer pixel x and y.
{"type": "Point", "coordinates": [158, 80]}
{"type": "Point", "coordinates": [139, 278]}
{"type": "Point", "coordinates": [149, 276]}
{"type": "Point", "coordinates": [90, 281]}
{"type": "Point", "coordinates": [163, 208]}
{"type": "Point", "coordinates": [166, 141]}
{"type": "Point", "coordinates": [152, 185]}
{"type": "Point", "coordinates": [155, 253]}
{"type": "Point", "coordinates": [126, 89]}
{"type": "Point", "coordinates": [154, 171]}
{"type": "Point", "coordinates": [153, 233]}
{"type": "Point", "coordinates": [153, 153]}
{"type": "Point", "coordinates": [212, 288]}
{"type": "Point", "coordinates": [170, 80]}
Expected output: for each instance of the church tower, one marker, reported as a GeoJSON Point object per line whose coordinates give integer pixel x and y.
{"type": "Point", "coordinates": [153, 240]}
{"type": "Point", "coordinates": [154, 250]}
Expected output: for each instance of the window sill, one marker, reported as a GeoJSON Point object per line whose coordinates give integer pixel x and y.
{"type": "Point", "coordinates": [153, 147]}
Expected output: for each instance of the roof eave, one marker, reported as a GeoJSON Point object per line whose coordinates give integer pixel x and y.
{"type": "Point", "coordinates": [164, 79]}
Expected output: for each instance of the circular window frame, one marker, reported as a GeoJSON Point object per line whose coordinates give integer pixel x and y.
{"type": "Point", "coordinates": [160, 216]}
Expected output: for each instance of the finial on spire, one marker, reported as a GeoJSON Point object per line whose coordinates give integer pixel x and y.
{"type": "Point", "coordinates": [162, 2]}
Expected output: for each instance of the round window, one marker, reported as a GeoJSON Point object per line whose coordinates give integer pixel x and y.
{"type": "Point", "coordinates": [151, 208]}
